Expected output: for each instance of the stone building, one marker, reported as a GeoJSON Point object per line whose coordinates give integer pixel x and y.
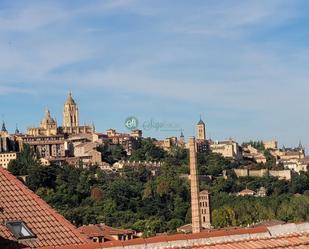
{"type": "Point", "coordinates": [88, 153]}
{"type": "Point", "coordinates": [71, 123]}
{"type": "Point", "coordinates": [129, 142]}
{"type": "Point", "coordinates": [200, 130]}
{"type": "Point", "coordinates": [101, 233]}
{"type": "Point", "coordinates": [4, 139]}
{"type": "Point", "coordinates": [249, 152]}
{"type": "Point", "coordinates": [46, 146]}
{"type": "Point", "coordinates": [48, 127]}
{"type": "Point", "coordinates": [205, 209]}
{"type": "Point", "coordinates": [6, 157]}
{"type": "Point", "coordinates": [8, 147]}
{"type": "Point", "coordinates": [228, 148]}
{"type": "Point", "coordinates": [270, 145]}
{"type": "Point", "coordinates": [202, 144]}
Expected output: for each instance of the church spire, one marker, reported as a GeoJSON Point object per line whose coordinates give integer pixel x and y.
{"type": "Point", "coordinates": [300, 145]}
{"type": "Point", "coordinates": [3, 127]}
{"type": "Point", "coordinates": [200, 122]}
{"type": "Point", "coordinates": [181, 134]}
{"type": "Point", "coordinates": [17, 130]}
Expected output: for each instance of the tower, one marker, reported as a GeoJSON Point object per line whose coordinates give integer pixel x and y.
{"type": "Point", "coordinates": [70, 113]}
{"type": "Point", "coordinates": [4, 137]}
{"type": "Point", "coordinates": [181, 139]}
{"type": "Point", "coordinates": [3, 129]}
{"type": "Point", "coordinates": [205, 209]}
{"type": "Point", "coordinates": [195, 205]}
{"type": "Point", "coordinates": [200, 130]}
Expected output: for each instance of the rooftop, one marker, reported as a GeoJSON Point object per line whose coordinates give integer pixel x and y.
{"type": "Point", "coordinates": [102, 230]}
{"type": "Point", "coordinates": [18, 203]}
{"type": "Point", "coordinates": [280, 236]}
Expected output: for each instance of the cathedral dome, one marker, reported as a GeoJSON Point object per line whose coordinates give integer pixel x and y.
{"type": "Point", "coordinates": [48, 119]}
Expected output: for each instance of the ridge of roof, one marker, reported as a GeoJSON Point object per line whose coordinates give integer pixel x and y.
{"type": "Point", "coordinates": [282, 241]}
{"type": "Point", "coordinates": [17, 185]}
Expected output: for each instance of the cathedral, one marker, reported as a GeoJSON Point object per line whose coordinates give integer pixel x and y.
{"type": "Point", "coordinates": [48, 125]}
{"type": "Point", "coordinates": [71, 119]}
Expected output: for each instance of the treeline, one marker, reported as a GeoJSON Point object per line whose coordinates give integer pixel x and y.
{"type": "Point", "coordinates": [136, 199]}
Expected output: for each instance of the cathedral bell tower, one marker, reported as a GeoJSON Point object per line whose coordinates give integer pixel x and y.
{"type": "Point", "coordinates": [201, 130]}
{"type": "Point", "coordinates": [70, 113]}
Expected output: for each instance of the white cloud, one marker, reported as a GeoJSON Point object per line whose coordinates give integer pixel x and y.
{"type": "Point", "coordinates": [4, 90]}
{"type": "Point", "coordinates": [232, 18]}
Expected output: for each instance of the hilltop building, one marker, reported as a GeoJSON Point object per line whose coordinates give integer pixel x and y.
{"type": "Point", "coordinates": [249, 152]}
{"type": "Point", "coordinates": [8, 147]}
{"type": "Point", "coordinates": [270, 145]}
{"type": "Point", "coordinates": [4, 139]}
{"type": "Point", "coordinates": [201, 140]}
{"type": "Point", "coordinates": [48, 127]}
{"type": "Point", "coordinates": [200, 130]}
{"type": "Point", "coordinates": [129, 142]}
{"type": "Point", "coordinates": [71, 123]}
{"type": "Point", "coordinates": [45, 146]}
{"type": "Point", "coordinates": [228, 148]}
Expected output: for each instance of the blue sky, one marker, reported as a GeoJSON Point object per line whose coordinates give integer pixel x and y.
{"type": "Point", "coordinates": [243, 64]}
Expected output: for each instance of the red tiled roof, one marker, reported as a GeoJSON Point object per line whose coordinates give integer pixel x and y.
{"type": "Point", "coordinates": [19, 203]}
{"type": "Point", "coordinates": [291, 241]}
{"type": "Point", "coordinates": [298, 241]}
{"type": "Point", "coordinates": [103, 230]}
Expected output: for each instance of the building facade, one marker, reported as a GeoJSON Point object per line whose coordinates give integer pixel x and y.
{"type": "Point", "coordinates": [6, 157]}
{"type": "Point", "coordinates": [205, 209]}
{"type": "Point", "coordinates": [228, 149]}
{"type": "Point", "coordinates": [201, 130]}
{"type": "Point", "coordinates": [71, 123]}
{"type": "Point", "coordinates": [8, 147]}
{"type": "Point", "coordinates": [48, 127]}
{"type": "Point", "coordinates": [46, 146]}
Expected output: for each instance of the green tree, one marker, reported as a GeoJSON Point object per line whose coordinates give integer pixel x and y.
{"type": "Point", "coordinates": [25, 160]}
{"type": "Point", "coordinates": [223, 217]}
{"type": "Point", "coordinates": [148, 152]}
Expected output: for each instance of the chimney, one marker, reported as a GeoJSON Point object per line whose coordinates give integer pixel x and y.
{"type": "Point", "coordinates": [196, 218]}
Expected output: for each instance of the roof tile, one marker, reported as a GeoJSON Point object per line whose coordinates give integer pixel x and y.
{"type": "Point", "coordinates": [19, 203]}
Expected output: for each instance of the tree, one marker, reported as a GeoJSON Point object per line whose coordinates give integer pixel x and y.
{"type": "Point", "coordinates": [148, 152]}
{"type": "Point", "coordinates": [25, 160]}
{"type": "Point", "coordinates": [212, 164]}
{"type": "Point", "coordinates": [223, 217]}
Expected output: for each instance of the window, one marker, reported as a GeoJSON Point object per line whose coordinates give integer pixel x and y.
{"type": "Point", "coordinates": [20, 230]}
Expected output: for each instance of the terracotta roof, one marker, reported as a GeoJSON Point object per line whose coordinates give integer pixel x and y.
{"type": "Point", "coordinates": [103, 230]}
{"type": "Point", "coordinates": [289, 241]}
{"type": "Point", "coordinates": [19, 203]}
{"type": "Point", "coordinates": [247, 191]}
{"type": "Point", "coordinates": [299, 241]}
{"type": "Point", "coordinates": [292, 235]}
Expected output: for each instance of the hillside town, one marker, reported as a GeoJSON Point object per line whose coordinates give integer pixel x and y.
{"type": "Point", "coordinates": [74, 144]}
{"type": "Point", "coordinates": [129, 124]}
{"type": "Point", "coordinates": [82, 147]}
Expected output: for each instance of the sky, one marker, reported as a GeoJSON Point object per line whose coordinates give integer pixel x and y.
{"type": "Point", "coordinates": [240, 64]}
